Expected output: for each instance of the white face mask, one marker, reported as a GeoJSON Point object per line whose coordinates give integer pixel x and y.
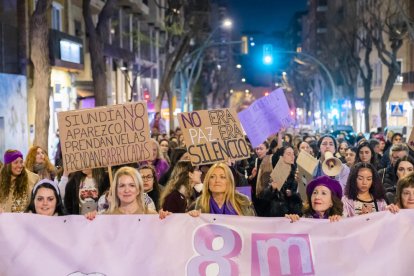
{"type": "Point", "coordinates": [198, 187]}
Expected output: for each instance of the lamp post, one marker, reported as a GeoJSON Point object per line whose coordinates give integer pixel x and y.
{"type": "Point", "coordinates": [197, 63]}
{"type": "Point", "coordinates": [317, 61]}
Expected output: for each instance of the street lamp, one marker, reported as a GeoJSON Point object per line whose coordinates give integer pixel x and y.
{"type": "Point", "coordinates": [225, 24]}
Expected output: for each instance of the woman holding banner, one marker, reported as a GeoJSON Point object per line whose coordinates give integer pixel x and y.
{"type": "Point", "coordinates": [182, 188]}
{"type": "Point", "coordinates": [364, 192]}
{"type": "Point", "coordinates": [323, 200]}
{"type": "Point", "coordinates": [46, 200]}
{"type": "Point", "coordinates": [16, 183]}
{"type": "Point", "coordinates": [405, 192]}
{"type": "Point", "coordinates": [220, 196]}
{"type": "Point", "coordinates": [126, 195]}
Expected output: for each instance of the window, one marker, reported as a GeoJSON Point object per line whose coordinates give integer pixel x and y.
{"type": "Point", "coordinates": [399, 79]}
{"type": "Point", "coordinates": [57, 16]}
{"type": "Point", "coordinates": [78, 28]}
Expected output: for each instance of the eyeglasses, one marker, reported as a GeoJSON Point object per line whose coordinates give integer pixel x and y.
{"type": "Point", "coordinates": [147, 177]}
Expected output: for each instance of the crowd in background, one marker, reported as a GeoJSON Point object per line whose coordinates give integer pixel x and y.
{"type": "Point", "coordinates": [375, 174]}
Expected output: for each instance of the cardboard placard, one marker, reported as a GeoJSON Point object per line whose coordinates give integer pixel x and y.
{"type": "Point", "coordinates": [213, 136]}
{"type": "Point", "coordinates": [306, 166]}
{"type": "Point", "coordinates": [105, 136]}
{"type": "Point", "coordinates": [411, 140]}
{"type": "Point", "coordinates": [280, 173]}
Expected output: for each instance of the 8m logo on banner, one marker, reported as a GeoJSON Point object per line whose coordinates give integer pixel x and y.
{"type": "Point", "coordinates": [272, 254]}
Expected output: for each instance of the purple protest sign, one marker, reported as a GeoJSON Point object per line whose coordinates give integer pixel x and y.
{"type": "Point", "coordinates": [265, 117]}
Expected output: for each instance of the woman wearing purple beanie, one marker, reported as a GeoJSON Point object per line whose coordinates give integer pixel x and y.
{"type": "Point", "coordinates": [16, 183]}
{"type": "Point", "coordinates": [324, 200]}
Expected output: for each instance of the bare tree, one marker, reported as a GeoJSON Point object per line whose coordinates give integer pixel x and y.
{"type": "Point", "coordinates": [404, 9]}
{"type": "Point", "coordinates": [183, 25]}
{"type": "Point", "coordinates": [344, 56]}
{"type": "Point", "coordinates": [387, 30]}
{"type": "Point", "coordinates": [39, 55]}
{"type": "Point", "coordinates": [98, 36]}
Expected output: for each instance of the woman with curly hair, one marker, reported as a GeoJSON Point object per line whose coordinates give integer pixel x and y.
{"type": "Point", "coordinates": [16, 183]}
{"type": "Point", "coordinates": [180, 192]}
{"type": "Point", "coordinates": [323, 200]}
{"type": "Point", "coordinates": [220, 196]}
{"type": "Point", "coordinates": [37, 161]}
{"type": "Point", "coordinates": [364, 192]}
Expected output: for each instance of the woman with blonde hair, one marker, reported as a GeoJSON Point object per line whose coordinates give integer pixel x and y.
{"type": "Point", "coordinates": [180, 190]}
{"type": "Point", "coordinates": [157, 161]}
{"type": "Point", "coordinates": [126, 194]}
{"type": "Point", "coordinates": [220, 196]}
{"type": "Point", "coordinates": [37, 161]}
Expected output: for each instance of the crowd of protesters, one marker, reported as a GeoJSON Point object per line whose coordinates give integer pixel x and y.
{"type": "Point", "coordinates": [375, 174]}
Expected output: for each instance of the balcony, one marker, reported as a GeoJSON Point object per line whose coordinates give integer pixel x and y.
{"type": "Point", "coordinates": [96, 5]}
{"type": "Point", "coordinates": [137, 6]}
{"type": "Point", "coordinates": [408, 81]}
{"type": "Point", "coordinates": [66, 51]}
{"type": "Point", "coordinates": [9, 46]}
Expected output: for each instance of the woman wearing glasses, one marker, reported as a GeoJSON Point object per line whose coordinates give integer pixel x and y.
{"type": "Point", "coordinates": [151, 186]}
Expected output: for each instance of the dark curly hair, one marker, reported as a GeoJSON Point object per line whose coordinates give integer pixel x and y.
{"type": "Point", "coordinates": [377, 189]}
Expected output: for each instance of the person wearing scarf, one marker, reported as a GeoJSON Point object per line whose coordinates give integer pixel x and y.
{"type": "Point", "coordinates": [219, 195]}
{"type": "Point", "coordinates": [323, 200]}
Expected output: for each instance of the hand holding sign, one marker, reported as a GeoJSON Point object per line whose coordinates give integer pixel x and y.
{"type": "Point", "coordinates": [265, 117]}
{"type": "Point", "coordinates": [213, 136]}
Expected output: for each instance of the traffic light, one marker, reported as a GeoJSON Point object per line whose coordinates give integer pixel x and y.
{"type": "Point", "coordinates": [146, 95]}
{"type": "Point", "coordinates": [267, 54]}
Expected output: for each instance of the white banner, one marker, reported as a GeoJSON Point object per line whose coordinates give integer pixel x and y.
{"type": "Point", "coordinates": [376, 244]}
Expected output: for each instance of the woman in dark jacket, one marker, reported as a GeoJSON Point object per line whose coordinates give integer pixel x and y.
{"type": "Point", "coordinates": [276, 202]}
{"type": "Point", "coordinates": [83, 190]}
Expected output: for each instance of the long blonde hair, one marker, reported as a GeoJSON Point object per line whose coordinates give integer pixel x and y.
{"type": "Point", "coordinates": [231, 195]}
{"type": "Point", "coordinates": [114, 199]}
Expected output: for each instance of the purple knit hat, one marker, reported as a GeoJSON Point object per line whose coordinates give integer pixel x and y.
{"type": "Point", "coordinates": [326, 181]}
{"type": "Point", "coordinates": [11, 155]}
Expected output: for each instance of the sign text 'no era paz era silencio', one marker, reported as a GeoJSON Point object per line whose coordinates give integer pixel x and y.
{"type": "Point", "coordinates": [213, 136]}
{"type": "Point", "coordinates": [105, 136]}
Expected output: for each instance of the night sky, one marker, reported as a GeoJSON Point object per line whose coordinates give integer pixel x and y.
{"type": "Point", "coordinates": [263, 15]}
{"type": "Point", "coordinates": [260, 20]}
